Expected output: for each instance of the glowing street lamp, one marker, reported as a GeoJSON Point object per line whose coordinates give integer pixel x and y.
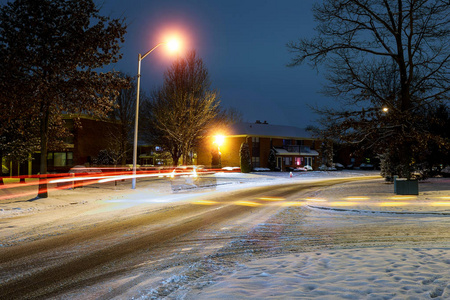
{"type": "Point", "coordinates": [218, 140]}
{"type": "Point", "coordinates": [173, 45]}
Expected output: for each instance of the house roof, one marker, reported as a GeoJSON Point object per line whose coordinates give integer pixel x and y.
{"type": "Point", "coordinates": [269, 130]}
{"type": "Point", "coordinates": [284, 152]}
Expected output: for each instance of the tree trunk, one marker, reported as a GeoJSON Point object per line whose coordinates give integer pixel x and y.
{"type": "Point", "coordinates": [1, 173]}
{"type": "Point", "coordinates": [42, 192]}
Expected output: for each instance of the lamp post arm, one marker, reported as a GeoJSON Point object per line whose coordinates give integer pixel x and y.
{"type": "Point", "coordinates": [151, 50]}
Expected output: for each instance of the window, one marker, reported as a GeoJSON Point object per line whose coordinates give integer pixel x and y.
{"type": "Point", "coordinates": [255, 147]}
{"type": "Point", "coordinates": [298, 161]}
{"type": "Point", "coordinates": [255, 162]}
{"type": "Point", "coordinates": [288, 161]}
{"type": "Point", "coordinates": [308, 161]}
{"type": "Point", "coordinates": [60, 159]}
{"type": "Point", "coordinates": [69, 160]}
{"type": "Point", "coordinates": [287, 142]}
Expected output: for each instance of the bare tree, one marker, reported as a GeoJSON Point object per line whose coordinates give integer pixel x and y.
{"type": "Point", "coordinates": [181, 111]}
{"type": "Point", "coordinates": [388, 63]}
{"type": "Point", "coordinates": [123, 114]}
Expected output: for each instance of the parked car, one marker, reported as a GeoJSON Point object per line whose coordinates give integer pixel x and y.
{"type": "Point", "coordinates": [446, 172]}
{"type": "Point", "coordinates": [325, 168]}
{"type": "Point", "coordinates": [365, 166]}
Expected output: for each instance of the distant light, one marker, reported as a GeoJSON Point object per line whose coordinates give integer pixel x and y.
{"type": "Point", "coordinates": [385, 109]}
{"type": "Point", "coordinates": [219, 140]}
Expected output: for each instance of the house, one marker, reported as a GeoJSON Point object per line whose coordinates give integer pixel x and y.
{"type": "Point", "coordinates": [294, 147]}
{"type": "Point", "coordinates": [88, 137]}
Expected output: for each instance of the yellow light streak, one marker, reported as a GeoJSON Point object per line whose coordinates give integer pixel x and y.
{"type": "Point", "coordinates": [205, 202]}
{"type": "Point", "coordinates": [394, 203]}
{"type": "Point", "coordinates": [402, 197]}
{"type": "Point", "coordinates": [272, 199]}
{"type": "Point", "coordinates": [291, 203]}
{"type": "Point", "coordinates": [357, 198]}
{"type": "Point", "coordinates": [440, 204]}
{"type": "Point", "coordinates": [247, 203]}
{"type": "Point", "coordinates": [341, 203]}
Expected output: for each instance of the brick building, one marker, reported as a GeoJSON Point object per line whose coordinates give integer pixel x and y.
{"type": "Point", "coordinates": [294, 147]}
{"type": "Point", "coordinates": [89, 136]}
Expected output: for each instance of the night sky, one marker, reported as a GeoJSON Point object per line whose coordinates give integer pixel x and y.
{"type": "Point", "coordinates": [243, 45]}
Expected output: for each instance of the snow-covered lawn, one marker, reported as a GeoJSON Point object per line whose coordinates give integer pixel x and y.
{"type": "Point", "coordinates": [374, 273]}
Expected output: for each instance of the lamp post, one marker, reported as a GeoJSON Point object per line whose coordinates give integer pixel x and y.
{"type": "Point", "coordinates": [173, 45]}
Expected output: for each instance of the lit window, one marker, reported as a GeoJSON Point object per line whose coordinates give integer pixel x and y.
{"type": "Point", "coordinates": [60, 159]}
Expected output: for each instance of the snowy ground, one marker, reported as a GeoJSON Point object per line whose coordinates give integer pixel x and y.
{"type": "Point", "coordinates": [402, 272]}
{"type": "Point", "coordinates": [367, 273]}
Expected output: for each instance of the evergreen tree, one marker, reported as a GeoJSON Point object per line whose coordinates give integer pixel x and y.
{"type": "Point", "coordinates": [246, 162]}
{"type": "Point", "coordinates": [272, 160]}
{"type": "Point", "coordinates": [216, 161]}
{"type": "Point", "coordinates": [50, 53]}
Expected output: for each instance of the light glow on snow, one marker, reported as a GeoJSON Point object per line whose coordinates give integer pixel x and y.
{"type": "Point", "coordinates": [402, 197]}
{"type": "Point", "coordinates": [440, 204]}
{"type": "Point", "coordinates": [271, 199]}
{"type": "Point", "coordinates": [247, 203]}
{"type": "Point", "coordinates": [205, 202]}
{"type": "Point", "coordinates": [354, 198]}
{"type": "Point", "coordinates": [341, 203]}
{"type": "Point", "coordinates": [394, 203]}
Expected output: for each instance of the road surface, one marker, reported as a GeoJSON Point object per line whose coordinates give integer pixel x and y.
{"type": "Point", "coordinates": [167, 250]}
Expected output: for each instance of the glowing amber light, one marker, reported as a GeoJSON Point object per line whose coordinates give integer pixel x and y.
{"type": "Point", "coordinates": [205, 202]}
{"type": "Point", "coordinates": [440, 204]}
{"type": "Point", "coordinates": [356, 198]}
{"type": "Point", "coordinates": [394, 203]}
{"type": "Point", "coordinates": [219, 139]}
{"type": "Point", "coordinates": [247, 203]}
{"type": "Point", "coordinates": [271, 199]}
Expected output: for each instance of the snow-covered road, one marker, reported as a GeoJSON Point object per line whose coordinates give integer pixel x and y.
{"type": "Point", "coordinates": [253, 236]}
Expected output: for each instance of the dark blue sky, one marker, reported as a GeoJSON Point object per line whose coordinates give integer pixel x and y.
{"type": "Point", "coordinates": [243, 44]}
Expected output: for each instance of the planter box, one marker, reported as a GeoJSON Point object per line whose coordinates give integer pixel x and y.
{"type": "Point", "coordinates": [406, 187]}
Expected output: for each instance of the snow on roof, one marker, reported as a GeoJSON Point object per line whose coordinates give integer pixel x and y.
{"type": "Point", "coordinates": [281, 152]}
{"type": "Point", "coordinates": [269, 130]}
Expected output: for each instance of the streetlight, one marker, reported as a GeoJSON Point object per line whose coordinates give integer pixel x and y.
{"type": "Point", "coordinates": [173, 46]}
{"type": "Point", "coordinates": [218, 140]}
